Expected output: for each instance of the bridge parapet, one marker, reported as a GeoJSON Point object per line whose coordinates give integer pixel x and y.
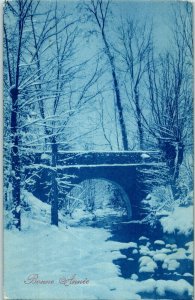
{"type": "Point", "coordinates": [133, 171]}
{"type": "Point", "coordinates": [92, 158]}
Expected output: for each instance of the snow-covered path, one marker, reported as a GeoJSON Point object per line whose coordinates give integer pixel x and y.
{"type": "Point", "coordinates": [83, 253]}
{"type": "Point", "coordinates": [53, 254]}
{"type": "Point", "coordinates": [45, 262]}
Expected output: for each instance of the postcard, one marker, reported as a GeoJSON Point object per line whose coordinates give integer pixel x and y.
{"type": "Point", "coordinates": [98, 150]}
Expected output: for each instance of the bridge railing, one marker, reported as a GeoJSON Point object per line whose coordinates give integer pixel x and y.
{"type": "Point", "coordinates": [99, 158]}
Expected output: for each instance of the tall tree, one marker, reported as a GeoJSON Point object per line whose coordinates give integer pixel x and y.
{"type": "Point", "coordinates": [16, 16]}
{"type": "Point", "coordinates": [66, 96]}
{"type": "Point", "coordinates": [135, 44]}
{"type": "Point", "coordinates": [99, 11]}
{"type": "Point", "coordinates": [170, 94]}
{"type": "Point", "coordinates": [47, 88]}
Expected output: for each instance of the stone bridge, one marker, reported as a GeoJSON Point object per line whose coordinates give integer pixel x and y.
{"type": "Point", "coordinates": [123, 169]}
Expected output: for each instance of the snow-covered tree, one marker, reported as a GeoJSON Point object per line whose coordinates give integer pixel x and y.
{"type": "Point", "coordinates": [48, 85]}
{"type": "Point", "coordinates": [16, 41]}
{"type": "Point", "coordinates": [135, 44]}
{"type": "Point", "coordinates": [170, 96]}
{"type": "Point", "coordinates": [98, 11]}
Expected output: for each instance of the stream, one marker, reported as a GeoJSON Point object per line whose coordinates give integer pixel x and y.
{"type": "Point", "coordinates": [146, 237]}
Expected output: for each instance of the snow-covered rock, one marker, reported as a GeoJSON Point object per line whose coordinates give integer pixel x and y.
{"type": "Point", "coordinates": [151, 253]}
{"type": "Point", "coordinates": [143, 260]}
{"type": "Point", "coordinates": [135, 251]}
{"type": "Point", "coordinates": [165, 250]}
{"type": "Point", "coordinates": [159, 257]}
{"type": "Point", "coordinates": [159, 242]}
{"type": "Point", "coordinates": [143, 238]}
{"type": "Point", "coordinates": [148, 197]}
{"type": "Point", "coordinates": [130, 259]}
{"type": "Point", "coordinates": [180, 254]}
{"type": "Point", "coordinates": [188, 274]}
{"type": "Point", "coordinates": [132, 245]}
{"type": "Point", "coordinates": [147, 265]}
{"type": "Point", "coordinates": [170, 264]}
{"type": "Point", "coordinates": [190, 247]}
{"type": "Point", "coordinates": [150, 268]}
{"type": "Point", "coordinates": [134, 277]}
{"type": "Point", "coordinates": [144, 250]}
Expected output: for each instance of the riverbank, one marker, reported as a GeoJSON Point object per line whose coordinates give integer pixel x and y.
{"type": "Point", "coordinates": [85, 262]}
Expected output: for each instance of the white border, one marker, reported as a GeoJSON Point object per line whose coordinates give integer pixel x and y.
{"type": "Point", "coordinates": [1, 149]}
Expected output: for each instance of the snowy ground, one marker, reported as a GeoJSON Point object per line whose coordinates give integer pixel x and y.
{"type": "Point", "coordinates": [41, 260]}
{"type": "Point", "coordinates": [180, 220]}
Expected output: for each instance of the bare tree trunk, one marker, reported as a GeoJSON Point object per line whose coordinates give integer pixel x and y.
{"type": "Point", "coordinates": [135, 48]}
{"type": "Point", "coordinates": [13, 55]}
{"type": "Point", "coordinates": [54, 185]}
{"type": "Point", "coordinates": [117, 94]}
{"type": "Point", "coordinates": [99, 9]}
{"type": "Point", "coordinates": [173, 154]}
{"type": "Point", "coordinates": [116, 125]}
{"type": "Point", "coordinates": [15, 159]}
{"type": "Point", "coordinates": [139, 119]}
{"type": "Point", "coordinates": [39, 85]}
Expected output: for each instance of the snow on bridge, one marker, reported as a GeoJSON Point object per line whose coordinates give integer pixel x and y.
{"type": "Point", "coordinates": [121, 168]}
{"type": "Point", "coordinates": [93, 158]}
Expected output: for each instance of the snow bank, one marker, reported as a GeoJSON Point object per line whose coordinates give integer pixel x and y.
{"type": "Point", "coordinates": [181, 219]}
{"type": "Point", "coordinates": [36, 210]}
{"type": "Point", "coordinates": [54, 253]}
{"type": "Point", "coordinates": [35, 203]}
{"type": "Point", "coordinates": [59, 254]}
{"type": "Point", "coordinates": [180, 287]}
{"type": "Point", "coordinates": [161, 287]}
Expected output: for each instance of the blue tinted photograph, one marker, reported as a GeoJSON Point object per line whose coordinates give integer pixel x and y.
{"type": "Point", "coordinates": [98, 150]}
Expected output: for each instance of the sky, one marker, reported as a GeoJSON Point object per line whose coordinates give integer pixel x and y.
{"type": "Point", "coordinates": [158, 13]}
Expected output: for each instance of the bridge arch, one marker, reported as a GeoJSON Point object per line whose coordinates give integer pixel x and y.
{"type": "Point", "coordinates": [125, 197]}
{"type": "Point", "coordinates": [121, 168]}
